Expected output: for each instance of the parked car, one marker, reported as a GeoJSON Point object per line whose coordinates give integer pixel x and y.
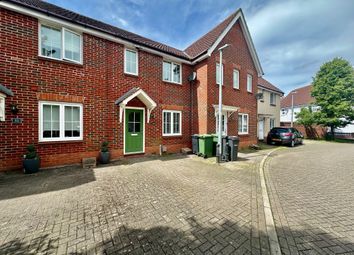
{"type": "Point", "coordinates": [284, 135]}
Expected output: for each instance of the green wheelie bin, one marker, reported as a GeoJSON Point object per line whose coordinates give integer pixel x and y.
{"type": "Point", "coordinates": [205, 145]}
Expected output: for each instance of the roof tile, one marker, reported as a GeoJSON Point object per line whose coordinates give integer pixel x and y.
{"type": "Point", "coordinates": [302, 96]}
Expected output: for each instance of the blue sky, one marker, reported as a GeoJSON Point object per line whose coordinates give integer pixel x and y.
{"type": "Point", "coordinates": [293, 38]}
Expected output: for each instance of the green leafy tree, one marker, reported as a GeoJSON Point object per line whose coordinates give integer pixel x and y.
{"type": "Point", "coordinates": [333, 90]}
{"type": "Point", "coordinates": [305, 117]}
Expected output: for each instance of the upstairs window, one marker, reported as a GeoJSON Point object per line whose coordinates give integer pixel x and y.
{"type": "Point", "coordinates": [171, 72]}
{"type": "Point", "coordinates": [236, 79]}
{"type": "Point", "coordinates": [242, 123]}
{"type": "Point", "coordinates": [249, 82]}
{"type": "Point", "coordinates": [272, 99]}
{"type": "Point", "coordinates": [218, 74]}
{"type": "Point", "coordinates": [2, 107]}
{"type": "Point", "coordinates": [131, 62]}
{"type": "Point", "coordinates": [60, 43]}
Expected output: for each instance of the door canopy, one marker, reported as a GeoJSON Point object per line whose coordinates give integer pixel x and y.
{"type": "Point", "coordinates": [226, 109]}
{"type": "Point", "coordinates": [143, 97]}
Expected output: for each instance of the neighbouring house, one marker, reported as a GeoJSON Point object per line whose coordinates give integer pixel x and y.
{"type": "Point", "coordinates": [75, 82]}
{"type": "Point", "coordinates": [302, 99]}
{"type": "Point", "coordinates": [268, 107]}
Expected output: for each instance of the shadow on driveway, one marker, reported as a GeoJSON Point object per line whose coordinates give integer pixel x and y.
{"type": "Point", "coordinates": [16, 184]}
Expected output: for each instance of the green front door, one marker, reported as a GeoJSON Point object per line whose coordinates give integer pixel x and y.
{"type": "Point", "coordinates": [134, 131]}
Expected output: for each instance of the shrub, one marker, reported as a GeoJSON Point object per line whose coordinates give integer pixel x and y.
{"type": "Point", "coordinates": [104, 146]}
{"type": "Point", "coordinates": [31, 152]}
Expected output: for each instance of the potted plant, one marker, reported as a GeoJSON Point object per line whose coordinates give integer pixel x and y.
{"type": "Point", "coordinates": [31, 160]}
{"type": "Point", "coordinates": [104, 153]}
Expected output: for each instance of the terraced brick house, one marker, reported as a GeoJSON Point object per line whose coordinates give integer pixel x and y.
{"type": "Point", "coordinates": [70, 82]}
{"type": "Point", "coordinates": [268, 107]}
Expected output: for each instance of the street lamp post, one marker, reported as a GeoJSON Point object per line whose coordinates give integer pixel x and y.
{"type": "Point", "coordinates": [218, 156]}
{"type": "Point", "coordinates": [292, 107]}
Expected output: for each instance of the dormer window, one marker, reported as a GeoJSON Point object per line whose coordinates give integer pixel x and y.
{"type": "Point", "coordinates": [60, 43]}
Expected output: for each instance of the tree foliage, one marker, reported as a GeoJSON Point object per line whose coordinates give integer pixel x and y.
{"type": "Point", "coordinates": [333, 90]}
{"type": "Point", "coordinates": [305, 117]}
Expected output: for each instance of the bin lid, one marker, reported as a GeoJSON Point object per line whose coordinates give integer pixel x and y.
{"type": "Point", "coordinates": [205, 135]}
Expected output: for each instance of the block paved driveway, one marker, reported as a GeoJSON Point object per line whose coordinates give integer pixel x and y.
{"type": "Point", "coordinates": [171, 205]}
{"type": "Point", "coordinates": [312, 198]}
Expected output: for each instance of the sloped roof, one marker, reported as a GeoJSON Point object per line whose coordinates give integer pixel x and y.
{"type": "Point", "coordinates": [127, 94]}
{"type": "Point", "coordinates": [206, 41]}
{"type": "Point", "coordinates": [79, 19]}
{"type": "Point", "coordinates": [6, 91]}
{"type": "Point", "coordinates": [302, 96]}
{"type": "Point", "coordinates": [204, 44]}
{"type": "Point", "coordinates": [263, 83]}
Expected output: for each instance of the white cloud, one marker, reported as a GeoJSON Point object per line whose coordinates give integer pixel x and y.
{"type": "Point", "coordinates": [293, 38]}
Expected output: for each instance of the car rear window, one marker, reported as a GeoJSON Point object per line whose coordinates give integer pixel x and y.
{"type": "Point", "coordinates": [280, 130]}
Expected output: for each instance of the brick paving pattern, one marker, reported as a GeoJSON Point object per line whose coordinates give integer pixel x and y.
{"type": "Point", "coordinates": [171, 205]}
{"type": "Point", "coordinates": [312, 198]}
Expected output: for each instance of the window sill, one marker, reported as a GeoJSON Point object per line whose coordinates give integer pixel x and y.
{"type": "Point", "coordinates": [171, 82]}
{"type": "Point", "coordinates": [243, 134]}
{"type": "Point", "coordinates": [60, 141]}
{"type": "Point", "coordinates": [249, 92]}
{"type": "Point", "coordinates": [236, 89]}
{"type": "Point", "coordinates": [131, 75]}
{"type": "Point", "coordinates": [273, 105]}
{"type": "Point", "coordinates": [62, 61]}
{"type": "Point", "coordinates": [172, 136]}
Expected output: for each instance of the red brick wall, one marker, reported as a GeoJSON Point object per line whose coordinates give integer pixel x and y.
{"type": "Point", "coordinates": [236, 56]}
{"type": "Point", "coordinates": [98, 82]}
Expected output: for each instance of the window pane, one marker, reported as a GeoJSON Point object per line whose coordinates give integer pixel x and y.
{"type": "Point", "coordinates": [131, 127]}
{"type": "Point", "coordinates": [240, 123]}
{"type": "Point", "coordinates": [218, 74]}
{"type": "Point", "coordinates": [68, 113]}
{"type": "Point", "coordinates": [167, 122]}
{"type": "Point", "coordinates": [76, 113]}
{"type": "Point", "coordinates": [130, 58]}
{"type": "Point", "coordinates": [176, 73]}
{"type": "Point", "coordinates": [137, 127]}
{"type": "Point", "coordinates": [236, 79]}
{"type": "Point", "coordinates": [176, 124]}
{"type": "Point", "coordinates": [72, 46]}
{"type": "Point", "coordinates": [137, 117]}
{"type": "Point", "coordinates": [166, 71]}
{"type": "Point", "coordinates": [249, 83]}
{"type": "Point", "coordinates": [50, 42]}
{"type": "Point", "coordinates": [131, 117]}
{"type": "Point", "coordinates": [47, 113]}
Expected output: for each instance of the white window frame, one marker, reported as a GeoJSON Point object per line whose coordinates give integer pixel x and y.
{"type": "Point", "coordinates": [242, 118]}
{"type": "Point", "coordinates": [136, 61]}
{"type": "Point", "coordinates": [61, 122]}
{"type": "Point", "coordinates": [249, 82]}
{"type": "Point", "coordinates": [2, 107]}
{"type": "Point", "coordinates": [171, 72]}
{"type": "Point", "coordinates": [172, 123]}
{"type": "Point", "coordinates": [62, 53]}
{"type": "Point", "coordinates": [272, 95]}
{"type": "Point", "coordinates": [224, 132]}
{"type": "Point", "coordinates": [236, 83]}
{"type": "Point", "coordinates": [217, 73]}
